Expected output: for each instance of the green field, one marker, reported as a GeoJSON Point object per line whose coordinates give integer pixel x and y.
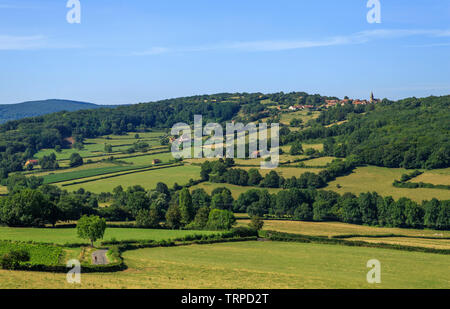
{"type": "Point", "coordinates": [303, 115]}
{"type": "Point", "coordinates": [69, 235]}
{"type": "Point", "coordinates": [319, 161]}
{"type": "Point", "coordinates": [85, 173]}
{"type": "Point", "coordinates": [259, 265]}
{"type": "Point", "coordinates": [338, 228]}
{"type": "Point", "coordinates": [39, 254]}
{"type": "Point", "coordinates": [96, 146]}
{"type": "Point", "coordinates": [436, 177]}
{"type": "Point", "coordinates": [235, 190]}
{"type": "Point", "coordinates": [286, 172]}
{"type": "Point", "coordinates": [147, 179]}
{"type": "Point", "coordinates": [380, 179]}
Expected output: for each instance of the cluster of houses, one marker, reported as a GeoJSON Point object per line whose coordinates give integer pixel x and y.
{"type": "Point", "coordinates": [333, 103]}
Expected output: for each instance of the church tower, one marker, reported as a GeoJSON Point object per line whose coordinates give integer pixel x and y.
{"type": "Point", "coordinates": [372, 99]}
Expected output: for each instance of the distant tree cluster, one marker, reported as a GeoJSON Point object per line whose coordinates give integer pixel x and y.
{"type": "Point", "coordinates": [220, 171]}
{"type": "Point", "coordinates": [367, 208]}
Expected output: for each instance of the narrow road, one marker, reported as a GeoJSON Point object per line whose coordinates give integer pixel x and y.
{"type": "Point", "coordinates": [99, 257]}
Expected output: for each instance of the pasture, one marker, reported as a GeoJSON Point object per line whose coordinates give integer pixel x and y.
{"type": "Point", "coordinates": [286, 172]}
{"type": "Point", "coordinates": [96, 146]}
{"type": "Point", "coordinates": [235, 190]}
{"type": "Point", "coordinates": [39, 254]}
{"type": "Point", "coordinates": [413, 237]}
{"type": "Point", "coordinates": [305, 116]}
{"type": "Point", "coordinates": [147, 179]}
{"type": "Point", "coordinates": [338, 228]}
{"type": "Point", "coordinates": [380, 179]}
{"type": "Point", "coordinates": [254, 265]}
{"type": "Point", "coordinates": [69, 235]}
{"type": "Point", "coordinates": [435, 177]}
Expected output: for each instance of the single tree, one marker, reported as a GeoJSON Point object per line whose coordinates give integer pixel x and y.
{"type": "Point", "coordinates": [256, 223]}
{"type": "Point", "coordinates": [186, 207]}
{"type": "Point", "coordinates": [75, 160]}
{"type": "Point", "coordinates": [91, 227]}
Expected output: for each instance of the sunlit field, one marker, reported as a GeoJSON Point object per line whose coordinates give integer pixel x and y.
{"type": "Point", "coordinates": [260, 265]}
{"type": "Point", "coordinates": [148, 179]}
{"type": "Point", "coordinates": [380, 179]}
{"type": "Point", "coordinates": [69, 235]}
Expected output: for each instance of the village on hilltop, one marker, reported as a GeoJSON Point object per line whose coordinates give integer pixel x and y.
{"type": "Point", "coordinates": [335, 102]}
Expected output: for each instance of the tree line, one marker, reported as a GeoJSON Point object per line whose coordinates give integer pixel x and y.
{"type": "Point", "coordinates": [368, 208]}
{"type": "Point", "coordinates": [222, 171]}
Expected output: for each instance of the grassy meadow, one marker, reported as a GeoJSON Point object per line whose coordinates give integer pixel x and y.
{"type": "Point", "coordinates": [338, 228]}
{"type": "Point", "coordinates": [435, 177]}
{"type": "Point", "coordinates": [258, 265]}
{"type": "Point", "coordinates": [235, 190]}
{"type": "Point", "coordinates": [380, 179]}
{"type": "Point", "coordinates": [39, 254]}
{"type": "Point", "coordinates": [69, 235]}
{"type": "Point", "coordinates": [147, 179]}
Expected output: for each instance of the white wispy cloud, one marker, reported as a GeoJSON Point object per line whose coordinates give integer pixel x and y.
{"type": "Point", "coordinates": [282, 45]}
{"type": "Point", "coordinates": [33, 42]}
{"type": "Point", "coordinates": [9, 42]}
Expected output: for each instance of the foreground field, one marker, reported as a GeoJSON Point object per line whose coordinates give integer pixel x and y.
{"type": "Point", "coordinates": [259, 265]}
{"type": "Point", "coordinates": [69, 235]}
{"type": "Point", "coordinates": [380, 179]}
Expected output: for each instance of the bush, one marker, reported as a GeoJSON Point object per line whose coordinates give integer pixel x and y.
{"type": "Point", "coordinates": [243, 231]}
{"type": "Point", "coordinates": [13, 259]}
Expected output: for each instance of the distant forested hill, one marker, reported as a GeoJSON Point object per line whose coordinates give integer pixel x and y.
{"type": "Point", "coordinates": [37, 108]}
{"type": "Point", "coordinates": [410, 133]}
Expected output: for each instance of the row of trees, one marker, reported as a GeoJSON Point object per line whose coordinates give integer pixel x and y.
{"type": "Point", "coordinates": [367, 208]}
{"type": "Point", "coordinates": [221, 172]}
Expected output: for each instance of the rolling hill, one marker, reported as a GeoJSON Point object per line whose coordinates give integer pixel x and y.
{"type": "Point", "coordinates": [37, 108]}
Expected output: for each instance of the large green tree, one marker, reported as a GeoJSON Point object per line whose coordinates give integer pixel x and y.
{"type": "Point", "coordinates": [91, 228]}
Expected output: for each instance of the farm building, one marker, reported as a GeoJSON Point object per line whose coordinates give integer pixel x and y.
{"type": "Point", "coordinates": [31, 162]}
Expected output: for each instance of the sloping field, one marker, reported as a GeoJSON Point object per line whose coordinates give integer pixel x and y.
{"type": "Point", "coordinates": [235, 190]}
{"type": "Point", "coordinates": [339, 228]}
{"type": "Point", "coordinates": [69, 235]}
{"type": "Point", "coordinates": [147, 179]}
{"type": "Point", "coordinates": [260, 265]}
{"type": "Point", "coordinates": [380, 179]}
{"type": "Point", "coordinates": [435, 177]}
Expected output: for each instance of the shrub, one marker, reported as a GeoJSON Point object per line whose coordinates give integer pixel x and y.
{"type": "Point", "coordinates": [13, 259]}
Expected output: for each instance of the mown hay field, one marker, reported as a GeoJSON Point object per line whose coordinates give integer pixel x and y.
{"type": "Point", "coordinates": [338, 228]}
{"type": "Point", "coordinates": [69, 235]}
{"type": "Point", "coordinates": [435, 177]}
{"type": "Point", "coordinates": [235, 190]}
{"type": "Point", "coordinates": [255, 265]}
{"type": "Point", "coordinates": [146, 179]}
{"type": "Point", "coordinates": [380, 179]}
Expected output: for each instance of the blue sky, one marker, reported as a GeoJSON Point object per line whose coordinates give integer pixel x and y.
{"type": "Point", "coordinates": [143, 50]}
